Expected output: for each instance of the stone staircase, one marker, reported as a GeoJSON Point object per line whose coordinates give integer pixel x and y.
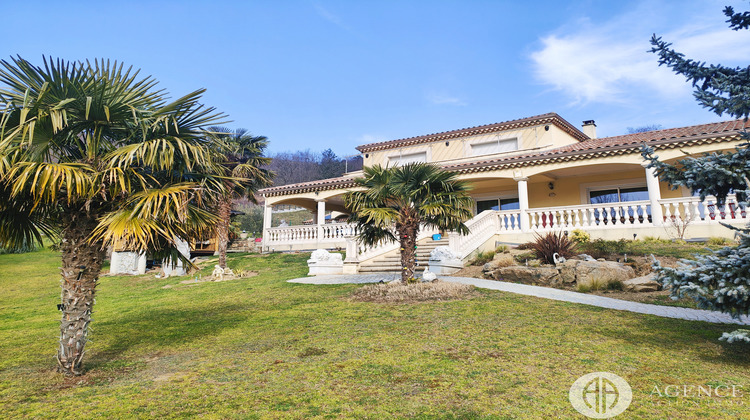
{"type": "Point", "coordinates": [391, 262]}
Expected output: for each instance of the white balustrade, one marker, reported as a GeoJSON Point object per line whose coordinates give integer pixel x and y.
{"type": "Point", "coordinates": [604, 215]}
{"type": "Point", "coordinates": [491, 222]}
{"type": "Point", "coordinates": [308, 234]}
{"type": "Point", "coordinates": [692, 210]}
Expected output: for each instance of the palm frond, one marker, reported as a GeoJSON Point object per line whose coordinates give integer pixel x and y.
{"type": "Point", "coordinates": [21, 223]}
{"type": "Point", "coordinates": [43, 181]}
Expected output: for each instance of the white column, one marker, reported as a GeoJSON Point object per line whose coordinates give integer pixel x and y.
{"type": "Point", "coordinates": [267, 215]}
{"type": "Point", "coordinates": [523, 202]}
{"type": "Point", "coordinates": [654, 195]}
{"type": "Point", "coordinates": [321, 216]}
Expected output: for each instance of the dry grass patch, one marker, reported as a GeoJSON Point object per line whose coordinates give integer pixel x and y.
{"type": "Point", "coordinates": [397, 292]}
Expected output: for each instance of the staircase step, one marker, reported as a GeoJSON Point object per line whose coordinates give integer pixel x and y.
{"type": "Point", "coordinates": [386, 269]}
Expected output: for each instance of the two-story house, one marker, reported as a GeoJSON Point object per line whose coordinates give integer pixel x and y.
{"type": "Point", "coordinates": [530, 175]}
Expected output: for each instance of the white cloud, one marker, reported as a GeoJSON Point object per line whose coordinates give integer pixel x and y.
{"type": "Point", "coordinates": [609, 62]}
{"type": "Point", "coordinates": [330, 16]}
{"type": "Point", "coordinates": [370, 138]}
{"type": "Point", "coordinates": [436, 98]}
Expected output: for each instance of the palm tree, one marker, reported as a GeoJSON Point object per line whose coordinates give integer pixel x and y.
{"type": "Point", "coordinates": [243, 159]}
{"type": "Point", "coordinates": [407, 197]}
{"type": "Point", "coordinates": [94, 154]}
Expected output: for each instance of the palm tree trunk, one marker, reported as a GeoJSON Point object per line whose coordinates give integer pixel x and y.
{"type": "Point", "coordinates": [81, 266]}
{"type": "Point", "coordinates": [222, 230]}
{"type": "Point", "coordinates": [408, 237]}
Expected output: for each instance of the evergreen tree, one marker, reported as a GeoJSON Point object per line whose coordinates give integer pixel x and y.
{"type": "Point", "coordinates": [330, 165]}
{"type": "Point", "coordinates": [719, 281]}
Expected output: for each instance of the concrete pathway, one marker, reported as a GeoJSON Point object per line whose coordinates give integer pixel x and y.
{"type": "Point", "coordinates": [549, 293]}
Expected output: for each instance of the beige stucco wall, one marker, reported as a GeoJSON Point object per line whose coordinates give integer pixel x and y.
{"type": "Point", "coordinates": [459, 148]}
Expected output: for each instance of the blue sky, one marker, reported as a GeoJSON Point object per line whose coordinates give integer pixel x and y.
{"type": "Point", "coordinates": [320, 74]}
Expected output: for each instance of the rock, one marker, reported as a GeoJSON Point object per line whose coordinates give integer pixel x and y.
{"type": "Point", "coordinates": [568, 271]}
{"type": "Point", "coordinates": [528, 275]}
{"type": "Point", "coordinates": [601, 259]}
{"type": "Point", "coordinates": [428, 276]}
{"type": "Point", "coordinates": [602, 272]}
{"type": "Point", "coordinates": [489, 267]}
{"type": "Point", "coordinates": [584, 257]}
{"type": "Point", "coordinates": [642, 284]}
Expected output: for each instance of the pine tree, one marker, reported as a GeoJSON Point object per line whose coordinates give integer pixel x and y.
{"type": "Point", "coordinates": [719, 281]}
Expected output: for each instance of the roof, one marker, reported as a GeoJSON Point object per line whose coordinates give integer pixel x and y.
{"type": "Point", "coordinates": [549, 118]}
{"type": "Point", "coordinates": [607, 146]}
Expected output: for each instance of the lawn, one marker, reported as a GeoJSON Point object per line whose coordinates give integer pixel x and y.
{"type": "Point", "coordinates": [261, 347]}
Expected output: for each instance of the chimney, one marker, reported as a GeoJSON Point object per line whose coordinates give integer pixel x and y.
{"type": "Point", "coordinates": [589, 128]}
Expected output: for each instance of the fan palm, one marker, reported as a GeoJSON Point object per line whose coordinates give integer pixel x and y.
{"type": "Point", "coordinates": [243, 159]}
{"type": "Point", "coordinates": [94, 154]}
{"type": "Point", "coordinates": [405, 198]}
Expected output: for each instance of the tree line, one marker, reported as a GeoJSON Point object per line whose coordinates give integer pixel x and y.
{"type": "Point", "coordinates": [306, 165]}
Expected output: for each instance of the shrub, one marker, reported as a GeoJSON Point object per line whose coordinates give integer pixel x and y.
{"type": "Point", "coordinates": [717, 241]}
{"type": "Point", "coordinates": [545, 247]}
{"type": "Point", "coordinates": [501, 249]}
{"type": "Point", "coordinates": [597, 284]}
{"type": "Point", "coordinates": [580, 236]}
{"type": "Point", "coordinates": [483, 257]}
{"type": "Point", "coordinates": [599, 248]}
{"type": "Point", "coordinates": [524, 257]}
{"type": "Point", "coordinates": [655, 240]}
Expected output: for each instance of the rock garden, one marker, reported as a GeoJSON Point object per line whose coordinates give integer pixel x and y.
{"type": "Point", "coordinates": [619, 269]}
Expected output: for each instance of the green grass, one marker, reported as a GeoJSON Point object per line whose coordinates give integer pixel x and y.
{"type": "Point", "coordinates": [264, 348]}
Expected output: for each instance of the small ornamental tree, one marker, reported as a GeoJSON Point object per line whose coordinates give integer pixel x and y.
{"type": "Point", "coordinates": [719, 281]}
{"type": "Point", "coordinates": [396, 202]}
{"type": "Point", "coordinates": [242, 155]}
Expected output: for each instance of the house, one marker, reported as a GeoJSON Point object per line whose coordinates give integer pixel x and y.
{"type": "Point", "coordinates": [529, 175]}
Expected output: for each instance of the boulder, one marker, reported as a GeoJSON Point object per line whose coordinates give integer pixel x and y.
{"type": "Point", "coordinates": [602, 272]}
{"type": "Point", "coordinates": [568, 270]}
{"type": "Point", "coordinates": [500, 260]}
{"type": "Point", "coordinates": [528, 275]}
{"type": "Point", "coordinates": [642, 284]}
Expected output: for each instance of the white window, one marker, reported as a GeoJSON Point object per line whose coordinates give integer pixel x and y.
{"type": "Point", "coordinates": [494, 146]}
{"type": "Point", "coordinates": [408, 158]}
